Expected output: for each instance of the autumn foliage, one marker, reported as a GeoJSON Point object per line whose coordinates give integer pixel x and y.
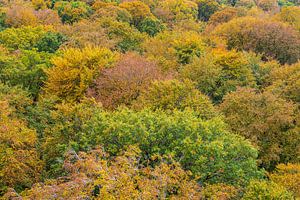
{"type": "Point", "coordinates": [150, 99]}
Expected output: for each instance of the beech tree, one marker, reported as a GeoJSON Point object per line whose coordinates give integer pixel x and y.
{"type": "Point", "coordinates": [172, 95]}
{"type": "Point", "coordinates": [75, 70]}
{"type": "Point", "coordinates": [265, 119]}
{"type": "Point", "coordinates": [122, 84]}
{"type": "Point", "coordinates": [220, 72]}
{"type": "Point", "coordinates": [20, 165]}
{"type": "Point", "coordinates": [254, 34]}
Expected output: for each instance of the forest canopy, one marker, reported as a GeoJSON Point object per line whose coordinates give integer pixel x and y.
{"type": "Point", "coordinates": [150, 99]}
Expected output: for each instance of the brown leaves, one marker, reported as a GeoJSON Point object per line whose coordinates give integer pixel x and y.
{"type": "Point", "coordinates": [123, 83]}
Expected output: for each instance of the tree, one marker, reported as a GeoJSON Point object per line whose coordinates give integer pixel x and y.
{"type": "Point", "coordinates": [18, 100]}
{"type": "Point", "coordinates": [138, 10]}
{"type": "Point", "coordinates": [50, 42]}
{"type": "Point", "coordinates": [290, 15]}
{"type": "Point", "coordinates": [72, 11]}
{"type": "Point", "coordinates": [288, 176]}
{"type": "Point", "coordinates": [204, 147]}
{"type": "Point", "coordinates": [219, 72]}
{"type": "Point", "coordinates": [25, 69]}
{"type": "Point", "coordinates": [151, 26]}
{"type": "Point", "coordinates": [172, 95]}
{"type": "Point", "coordinates": [22, 38]}
{"type": "Point", "coordinates": [48, 17]}
{"type": "Point", "coordinates": [21, 15]}
{"type": "Point", "coordinates": [267, 5]}
{"type": "Point", "coordinates": [253, 34]}
{"type": "Point", "coordinates": [3, 25]}
{"type": "Point", "coordinates": [20, 165]}
{"type": "Point", "coordinates": [285, 82]}
{"type": "Point", "coordinates": [171, 50]}
{"type": "Point", "coordinates": [206, 8]}
{"type": "Point", "coordinates": [172, 11]}
{"type": "Point", "coordinates": [123, 83]}
{"type": "Point", "coordinates": [95, 175]}
{"type": "Point", "coordinates": [24, 15]}
{"type": "Point", "coordinates": [266, 190]}
{"type": "Point", "coordinates": [75, 70]}
{"type": "Point", "coordinates": [86, 33]}
{"type": "Point", "coordinates": [225, 15]}
{"type": "Point", "coordinates": [127, 37]}
{"type": "Point", "coordinates": [111, 10]}
{"type": "Point", "coordinates": [265, 119]}
{"type": "Point", "coordinates": [219, 191]}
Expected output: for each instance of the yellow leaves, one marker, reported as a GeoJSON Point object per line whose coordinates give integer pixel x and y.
{"type": "Point", "coordinates": [177, 10]}
{"type": "Point", "coordinates": [288, 176]}
{"type": "Point", "coordinates": [13, 132]}
{"type": "Point", "coordinates": [137, 9]}
{"type": "Point", "coordinates": [19, 161]}
{"type": "Point", "coordinates": [75, 70]}
{"type": "Point", "coordinates": [220, 191]}
{"type": "Point", "coordinates": [290, 15]}
{"type": "Point", "coordinates": [20, 15]}
{"type": "Point", "coordinates": [170, 50]}
{"type": "Point", "coordinates": [173, 95]}
{"type": "Point", "coordinates": [286, 82]}
{"type": "Point", "coordinates": [97, 175]}
{"type": "Point", "coordinates": [39, 4]}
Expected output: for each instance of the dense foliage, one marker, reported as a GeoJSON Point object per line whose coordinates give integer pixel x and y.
{"type": "Point", "coordinates": [150, 99]}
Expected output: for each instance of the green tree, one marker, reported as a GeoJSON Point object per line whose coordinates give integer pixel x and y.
{"type": "Point", "coordinates": [172, 95]}
{"type": "Point", "coordinates": [22, 38]}
{"type": "Point", "coordinates": [220, 72]}
{"type": "Point", "coordinates": [151, 26]}
{"type": "Point", "coordinates": [25, 69]}
{"type": "Point", "coordinates": [127, 37]}
{"type": "Point", "coordinates": [206, 8]}
{"type": "Point", "coordinates": [50, 42]}
{"type": "Point", "coordinates": [72, 11]}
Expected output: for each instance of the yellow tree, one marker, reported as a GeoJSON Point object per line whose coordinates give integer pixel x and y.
{"type": "Point", "coordinates": [20, 166]}
{"type": "Point", "coordinates": [75, 70]}
{"type": "Point", "coordinates": [288, 176]}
